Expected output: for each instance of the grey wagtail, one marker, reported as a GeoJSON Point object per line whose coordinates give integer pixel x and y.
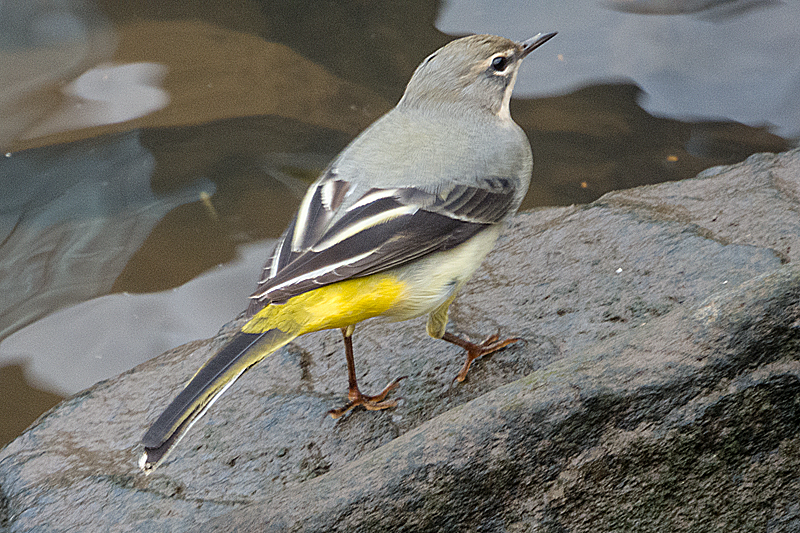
{"type": "Point", "coordinates": [393, 228]}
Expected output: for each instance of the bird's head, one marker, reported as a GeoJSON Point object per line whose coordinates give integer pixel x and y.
{"type": "Point", "coordinates": [474, 72]}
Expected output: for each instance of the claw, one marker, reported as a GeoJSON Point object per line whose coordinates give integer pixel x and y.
{"type": "Point", "coordinates": [489, 345]}
{"type": "Point", "coordinates": [371, 403]}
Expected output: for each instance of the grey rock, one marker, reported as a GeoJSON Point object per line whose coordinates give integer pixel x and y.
{"type": "Point", "coordinates": [658, 389]}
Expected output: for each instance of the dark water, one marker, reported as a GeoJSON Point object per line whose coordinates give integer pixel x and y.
{"type": "Point", "coordinates": [153, 148]}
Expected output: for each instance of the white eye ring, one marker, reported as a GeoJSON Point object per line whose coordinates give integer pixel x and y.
{"type": "Point", "coordinates": [500, 62]}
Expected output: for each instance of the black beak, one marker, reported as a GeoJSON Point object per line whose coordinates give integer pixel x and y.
{"type": "Point", "coordinates": [529, 45]}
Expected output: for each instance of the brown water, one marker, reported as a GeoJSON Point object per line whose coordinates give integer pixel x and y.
{"type": "Point", "coordinates": [155, 144]}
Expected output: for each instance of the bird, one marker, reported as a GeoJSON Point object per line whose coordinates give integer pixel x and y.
{"type": "Point", "coordinates": [392, 228]}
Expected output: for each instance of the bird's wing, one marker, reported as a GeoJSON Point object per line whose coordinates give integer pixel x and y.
{"type": "Point", "coordinates": [332, 239]}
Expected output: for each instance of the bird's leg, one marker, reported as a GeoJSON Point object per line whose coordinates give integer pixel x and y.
{"type": "Point", "coordinates": [354, 395]}
{"type": "Point", "coordinates": [491, 344]}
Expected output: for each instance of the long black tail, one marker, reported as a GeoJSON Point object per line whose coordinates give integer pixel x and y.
{"type": "Point", "coordinates": [208, 384]}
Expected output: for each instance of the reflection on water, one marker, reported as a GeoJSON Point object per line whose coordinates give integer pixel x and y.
{"type": "Point", "coordinates": [106, 94]}
{"type": "Point", "coordinates": [260, 167]}
{"type": "Point", "coordinates": [20, 403]}
{"type": "Point", "coordinates": [43, 44]}
{"type": "Point", "coordinates": [105, 336]}
{"type": "Point", "coordinates": [599, 139]}
{"type": "Point", "coordinates": [70, 218]}
{"type": "Point", "coordinates": [713, 10]}
{"type": "Point", "coordinates": [744, 68]}
{"type": "Point", "coordinates": [200, 125]}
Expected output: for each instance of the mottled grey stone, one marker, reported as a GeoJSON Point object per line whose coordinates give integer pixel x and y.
{"type": "Point", "coordinates": [658, 390]}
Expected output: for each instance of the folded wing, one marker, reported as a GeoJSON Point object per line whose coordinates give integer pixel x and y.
{"type": "Point", "coordinates": [331, 239]}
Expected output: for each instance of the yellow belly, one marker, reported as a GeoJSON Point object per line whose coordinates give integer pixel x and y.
{"type": "Point", "coordinates": [333, 306]}
{"type": "Point", "coordinates": [398, 294]}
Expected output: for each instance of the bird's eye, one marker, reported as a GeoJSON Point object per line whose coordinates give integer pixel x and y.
{"type": "Point", "coordinates": [499, 63]}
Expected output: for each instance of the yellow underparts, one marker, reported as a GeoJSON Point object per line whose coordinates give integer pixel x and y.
{"type": "Point", "coordinates": [338, 305]}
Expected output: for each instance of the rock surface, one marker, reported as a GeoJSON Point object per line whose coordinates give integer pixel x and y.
{"type": "Point", "coordinates": [658, 390]}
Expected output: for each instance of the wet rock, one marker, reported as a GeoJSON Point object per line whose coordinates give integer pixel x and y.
{"type": "Point", "coordinates": [658, 389]}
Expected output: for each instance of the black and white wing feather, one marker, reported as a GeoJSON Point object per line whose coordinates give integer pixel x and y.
{"type": "Point", "coordinates": [334, 238]}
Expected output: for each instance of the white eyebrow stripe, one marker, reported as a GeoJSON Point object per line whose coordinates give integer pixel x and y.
{"type": "Point", "coordinates": [373, 196]}
{"type": "Point", "coordinates": [367, 223]}
{"type": "Point", "coordinates": [315, 273]}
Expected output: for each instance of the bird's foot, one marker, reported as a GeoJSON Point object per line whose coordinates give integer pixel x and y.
{"type": "Point", "coordinates": [489, 345]}
{"type": "Point", "coordinates": [371, 403]}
